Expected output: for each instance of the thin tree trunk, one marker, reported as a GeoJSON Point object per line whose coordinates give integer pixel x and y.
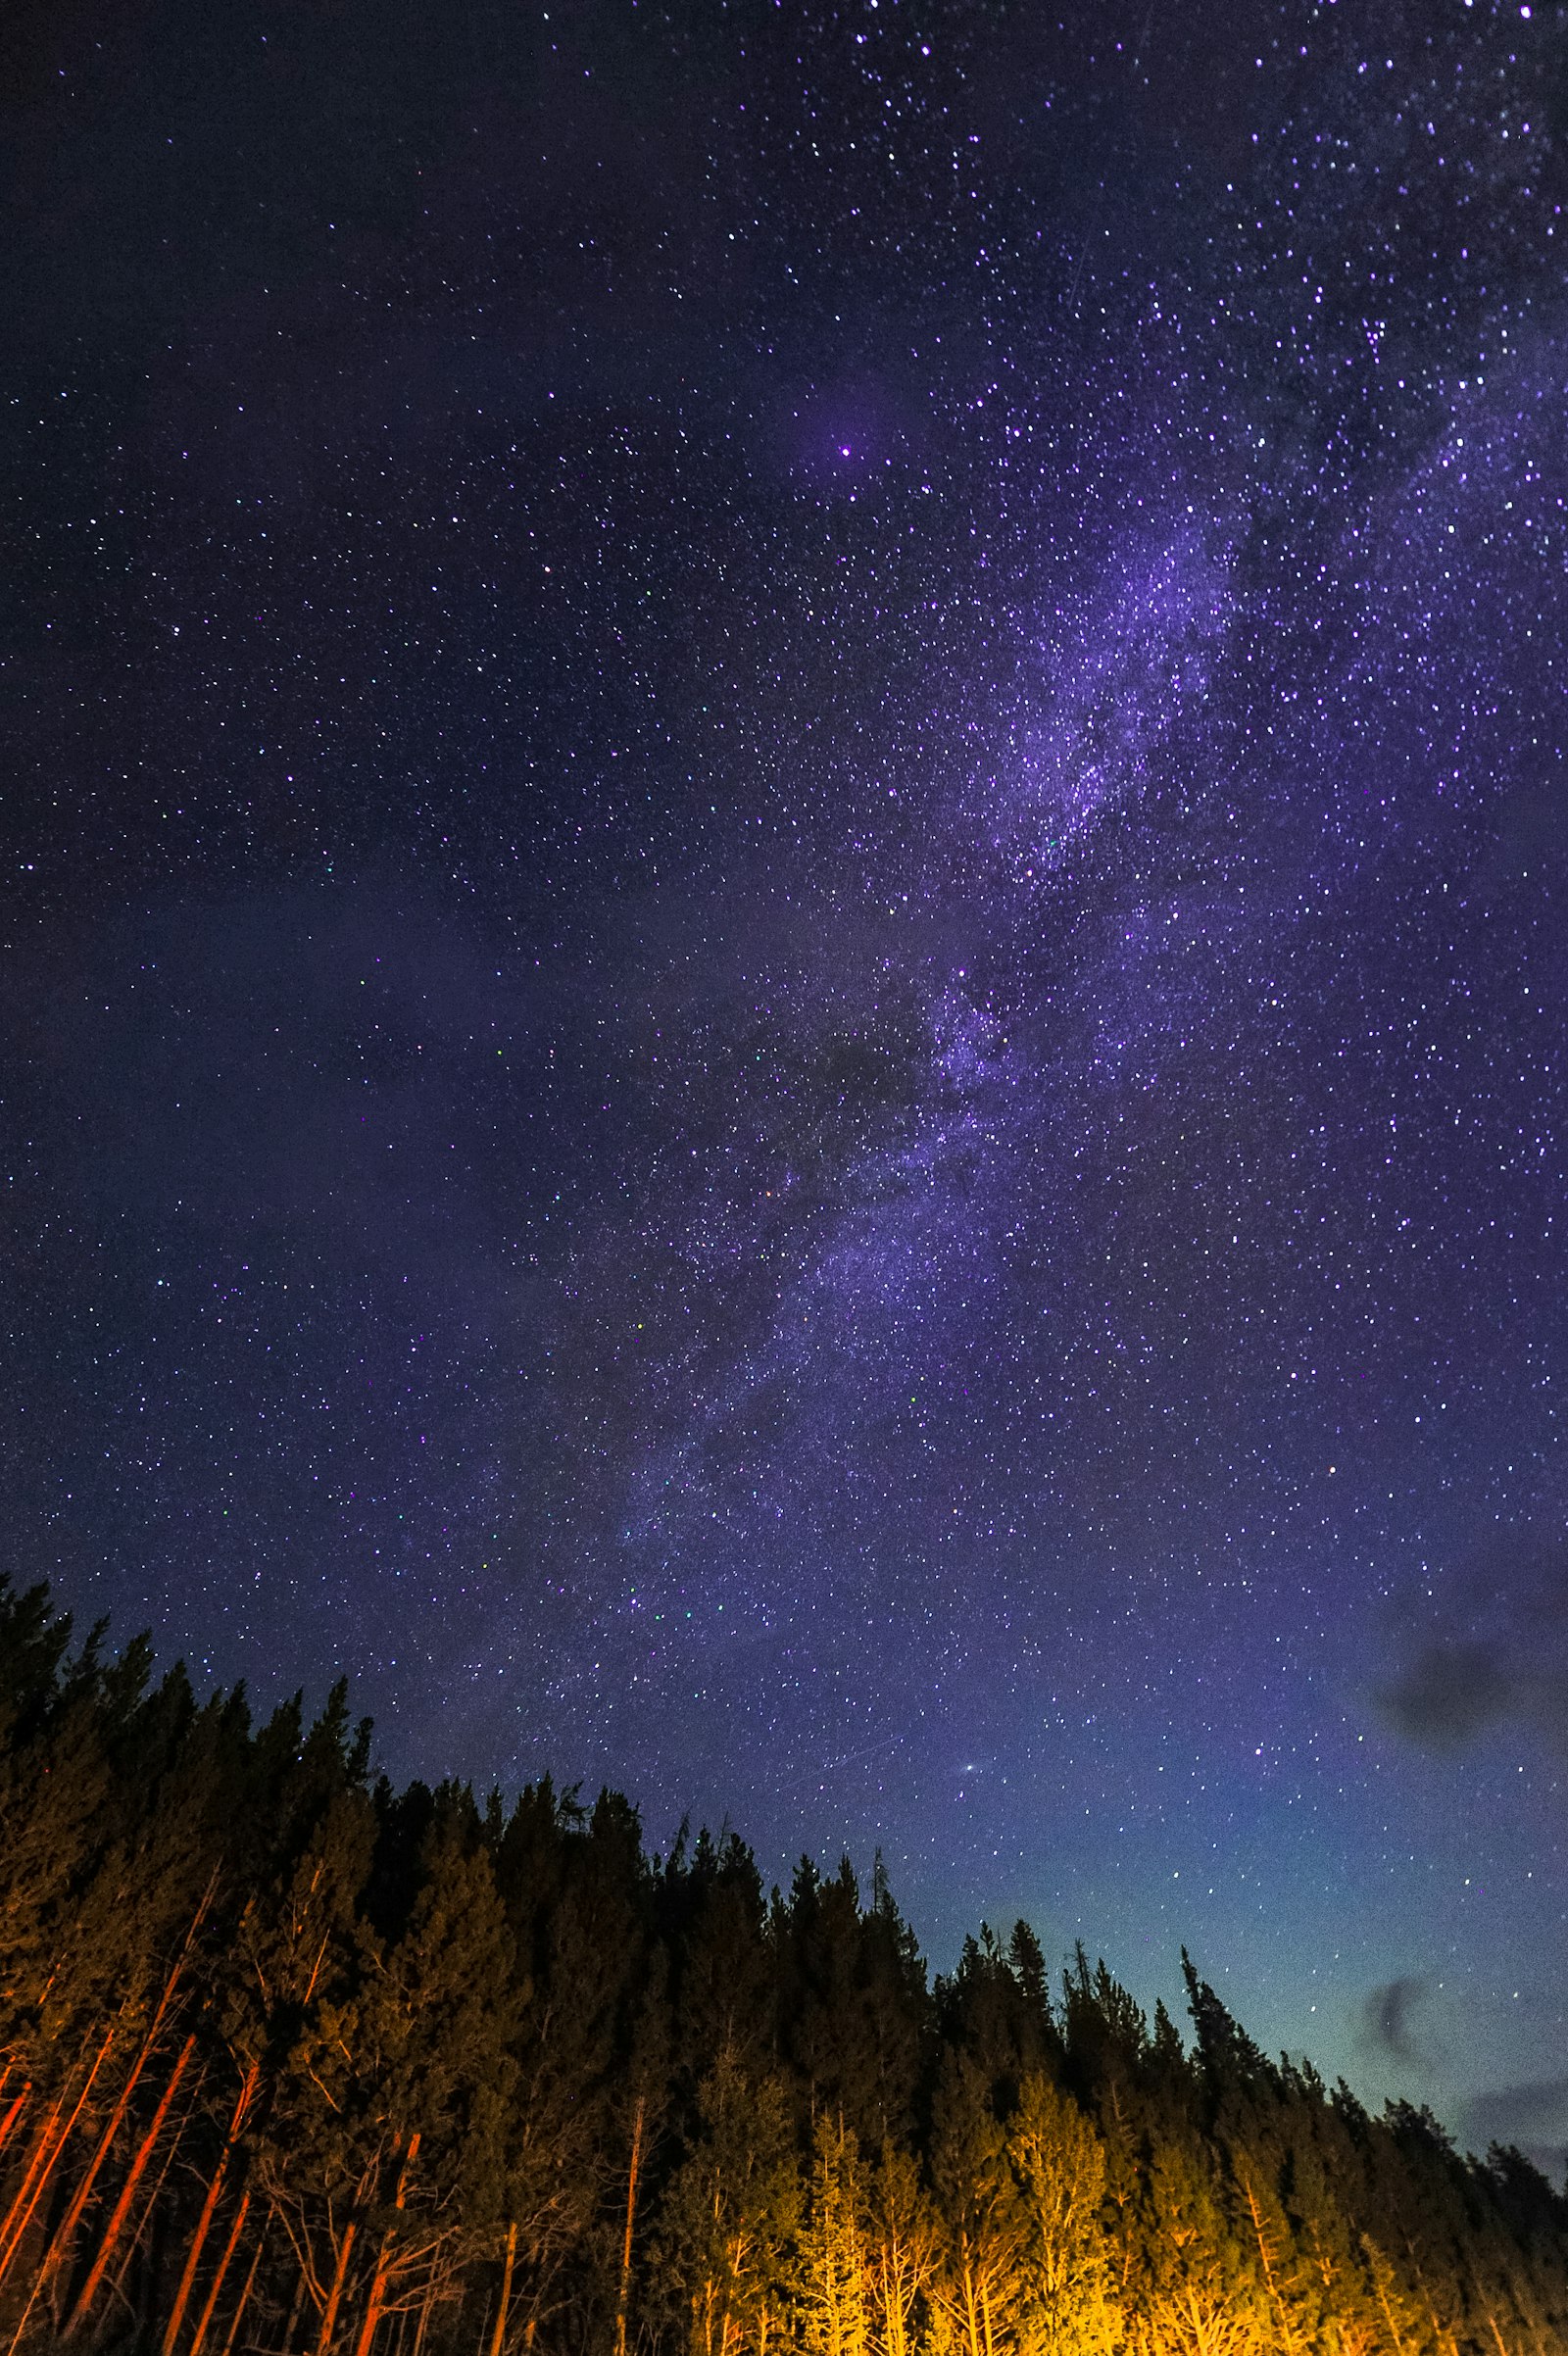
{"type": "Point", "coordinates": [334, 2296]}
{"type": "Point", "coordinates": [43, 2165]}
{"type": "Point", "coordinates": [626, 2245]}
{"type": "Point", "coordinates": [894, 2320]}
{"type": "Point", "coordinates": [149, 2209]}
{"type": "Point", "coordinates": [65, 2233]}
{"type": "Point", "coordinates": [41, 2145]}
{"type": "Point", "coordinates": [204, 2221]}
{"type": "Point", "coordinates": [14, 2113]}
{"type": "Point", "coordinates": [293, 2315]}
{"type": "Point", "coordinates": [971, 2312]}
{"type": "Point", "coordinates": [378, 2280]}
{"type": "Point", "coordinates": [425, 2318]}
{"type": "Point", "coordinates": [1266, 2259]}
{"type": "Point", "coordinates": [127, 2193]}
{"type": "Point", "coordinates": [499, 2332]}
{"type": "Point", "coordinates": [229, 2247]}
{"type": "Point", "coordinates": [244, 2295]}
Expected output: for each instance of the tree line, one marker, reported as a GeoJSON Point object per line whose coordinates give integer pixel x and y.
{"type": "Point", "coordinates": [292, 2062]}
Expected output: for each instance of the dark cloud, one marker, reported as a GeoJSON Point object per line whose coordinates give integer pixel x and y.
{"type": "Point", "coordinates": [1386, 2025]}
{"type": "Point", "coordinates": [1500, 1653]}
{"type": "Point", "coordinates": [1447, 1693]}
{"type": "Point", "coordinates": [1533, 2116]}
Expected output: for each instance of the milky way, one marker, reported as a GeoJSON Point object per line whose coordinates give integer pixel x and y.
{"type": "Point", "coordinates": [787, 943]}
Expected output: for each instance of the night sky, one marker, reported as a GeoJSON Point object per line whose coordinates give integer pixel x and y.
{"type": "Point", "coordinates": [785, 940]}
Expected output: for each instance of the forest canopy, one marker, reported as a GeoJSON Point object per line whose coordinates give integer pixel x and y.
{"type": "Point", "coordinates": [294, 2061]}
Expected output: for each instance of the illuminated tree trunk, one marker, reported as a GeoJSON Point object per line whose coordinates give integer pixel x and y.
{"type": "Point", "coordinates": [334, 2297]}
{"type": "Point", "coordinates": [41, 2145]}
{"type": "Point", "coordinates": [65, 2231]}
{"type": "Point", "coordinates": [972, 2311]}
{"type": "Point", "coordinates": [376, 2301]}
{"type": "Point", "coordinates": [209, 2209]}
{"type": "Point", "coordinates": [14, 2113]}
{"type": "Point", "coordinates": [244, 2297]}
{"type": "Point", "coordinates": [625, 2246]}
{"type": "Point", "coordinates": [500, 2333]}
{"type": "Point", "coordinates": [229, 2247]}
{"type": "Point", "coordinates": [41, 2167]}
{"type": "Point", "coordinates": [984, 2317]}
{"type": "Point", "coordinates": [1268, 2238]}
{"type": "Point", "coordinates": [60, 2243]}
{"type": "Point", "coordinates": [127, 2193]}
{"type": "Point", "coordinates": [149, 2210]}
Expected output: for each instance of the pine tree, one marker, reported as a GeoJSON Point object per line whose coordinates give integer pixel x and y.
{"type": "Point", "coordinates": [1059, 2164]}
{"type": "Point", "coordinates": [729, 2216]}
{"type": "Point", "coordinates": [1196, 2295]}
{"type": "Point", "coordinates": [978, 2292]}
{"type": "Point", "coordinates": [854, 2002]}
{"type": "Point", "coordinates": [904, 2251]}
{"type": "Point", "coordinates": [436, 2069]}
{"type": "Point", "coordinates": [833, 2297]}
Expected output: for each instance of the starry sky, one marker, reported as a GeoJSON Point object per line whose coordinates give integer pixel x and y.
{"type": "Point", "coordinates": [785, 937]}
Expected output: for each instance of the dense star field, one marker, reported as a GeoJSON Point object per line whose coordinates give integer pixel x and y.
{"type": "Point", "coordinates": [786, 927]}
